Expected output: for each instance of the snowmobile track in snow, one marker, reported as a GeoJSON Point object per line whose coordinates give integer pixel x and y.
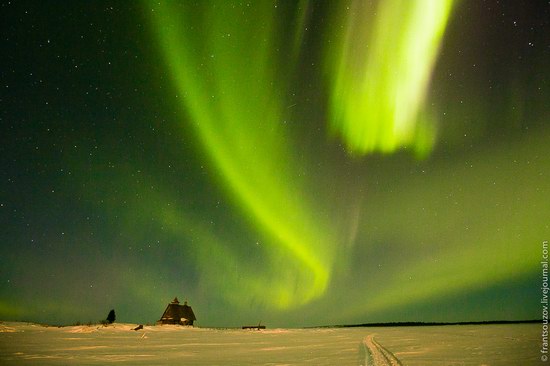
{"type": "Point", "coordinates": [377, 355]}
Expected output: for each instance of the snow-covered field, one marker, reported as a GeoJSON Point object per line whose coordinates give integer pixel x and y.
{"type": "Point", "coordinates": [22, 343]}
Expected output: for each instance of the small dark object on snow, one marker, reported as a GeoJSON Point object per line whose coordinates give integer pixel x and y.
{"type": "Point", "coordinates": [258, 327]}
{"type": "Point", "coordinates": [139, 327]}
{"type": "Point", "coordinates": [111, 317]}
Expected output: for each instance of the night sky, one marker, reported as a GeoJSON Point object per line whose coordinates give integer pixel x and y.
{"type": "Point", "coordinates": [290, 162]}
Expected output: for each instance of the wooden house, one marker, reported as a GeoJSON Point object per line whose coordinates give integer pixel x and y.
{"type": "Point", "coordinates": [178, 314]}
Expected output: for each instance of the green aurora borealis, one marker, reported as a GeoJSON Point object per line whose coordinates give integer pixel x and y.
{"type": "Point", "coordinates": [295, 163]}
{"type": "Point", "coordinates": [238, 113]}
{"type": "Point", "coordinates": [383, 65]}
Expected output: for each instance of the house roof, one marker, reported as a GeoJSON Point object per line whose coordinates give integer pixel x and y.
{"type": "Point", "coordinates": [175, 311]}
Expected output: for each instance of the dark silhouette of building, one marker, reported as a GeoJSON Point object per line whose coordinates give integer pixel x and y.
{"type": "Point", "coordinates": [177, 314]}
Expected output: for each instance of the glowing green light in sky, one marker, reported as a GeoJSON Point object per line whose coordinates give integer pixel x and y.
{"type": "Point", "coordinates": [380, 72]}
{"type": "Point", "coordinates": [221, 58]}
{"type": "Point", "coordinates": [239, 202]}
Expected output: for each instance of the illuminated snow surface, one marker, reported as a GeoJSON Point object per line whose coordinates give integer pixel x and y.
{"type": "Point", "coordinates": [517, 344]}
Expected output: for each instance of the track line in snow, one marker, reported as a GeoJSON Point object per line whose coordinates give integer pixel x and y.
{"type": "Point", "coordinates": [377, 355]}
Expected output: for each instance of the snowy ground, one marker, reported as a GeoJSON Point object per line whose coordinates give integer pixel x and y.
{"type": "Point", "coordinates": [22, 343]}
